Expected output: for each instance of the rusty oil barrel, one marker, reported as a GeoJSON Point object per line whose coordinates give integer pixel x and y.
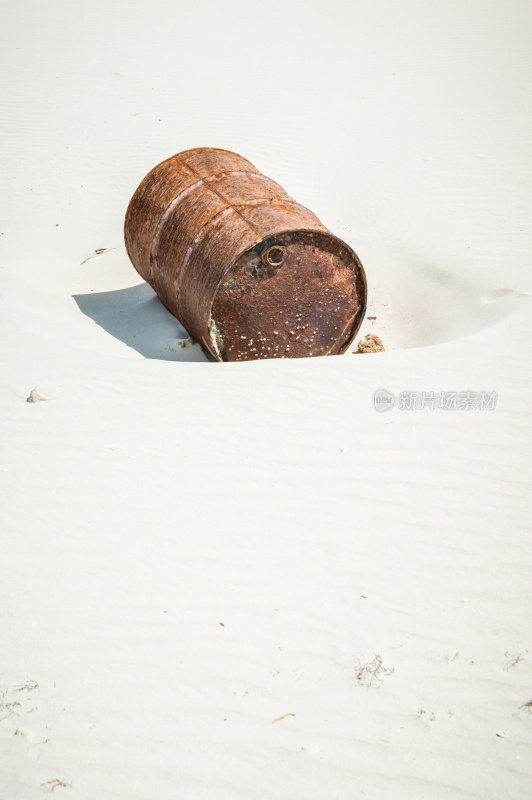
{"type": "Point", "coordinates": [248, 271]}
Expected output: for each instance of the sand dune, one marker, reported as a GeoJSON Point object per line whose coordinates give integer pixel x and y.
{"type": "Point", "coordinates": [240, 580]}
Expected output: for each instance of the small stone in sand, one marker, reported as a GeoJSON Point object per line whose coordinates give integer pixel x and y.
{"type": "Point", "coordinates": [36, 396]}
{"type": "Point", "coordinates": [370, 344]}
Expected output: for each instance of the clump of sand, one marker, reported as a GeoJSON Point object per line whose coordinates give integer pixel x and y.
{"type": "Point", "coordinates": [370, 344]}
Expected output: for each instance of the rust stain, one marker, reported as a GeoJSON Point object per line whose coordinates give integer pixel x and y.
{"type": "Point", "coordinates": [247, 270]}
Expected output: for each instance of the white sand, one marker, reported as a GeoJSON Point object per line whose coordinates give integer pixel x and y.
{"type": "Point", "coordinates": [190, 551]}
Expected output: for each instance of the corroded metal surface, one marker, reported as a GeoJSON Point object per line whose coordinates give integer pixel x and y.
{"type": "Point", "coordinates": [248, 271]}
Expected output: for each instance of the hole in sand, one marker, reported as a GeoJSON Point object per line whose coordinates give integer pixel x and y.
{"type": "Point", "coordinates": [409, 305]}
{"type": "Point", "coordinates": [420, 304]}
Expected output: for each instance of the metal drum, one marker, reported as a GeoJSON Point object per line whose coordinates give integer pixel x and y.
{"type": "Point", "coordinates": [248, 271]}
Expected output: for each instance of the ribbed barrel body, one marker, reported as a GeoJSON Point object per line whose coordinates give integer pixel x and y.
{"type": "Point", "coordinates": [246, 269]}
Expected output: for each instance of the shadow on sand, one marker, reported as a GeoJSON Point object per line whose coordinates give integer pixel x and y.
{"type": "Point", "coordinates": [137, 317]}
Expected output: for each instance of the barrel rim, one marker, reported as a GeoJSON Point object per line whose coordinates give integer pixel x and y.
{"type": "Point", "coordinates": [324, 232]}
